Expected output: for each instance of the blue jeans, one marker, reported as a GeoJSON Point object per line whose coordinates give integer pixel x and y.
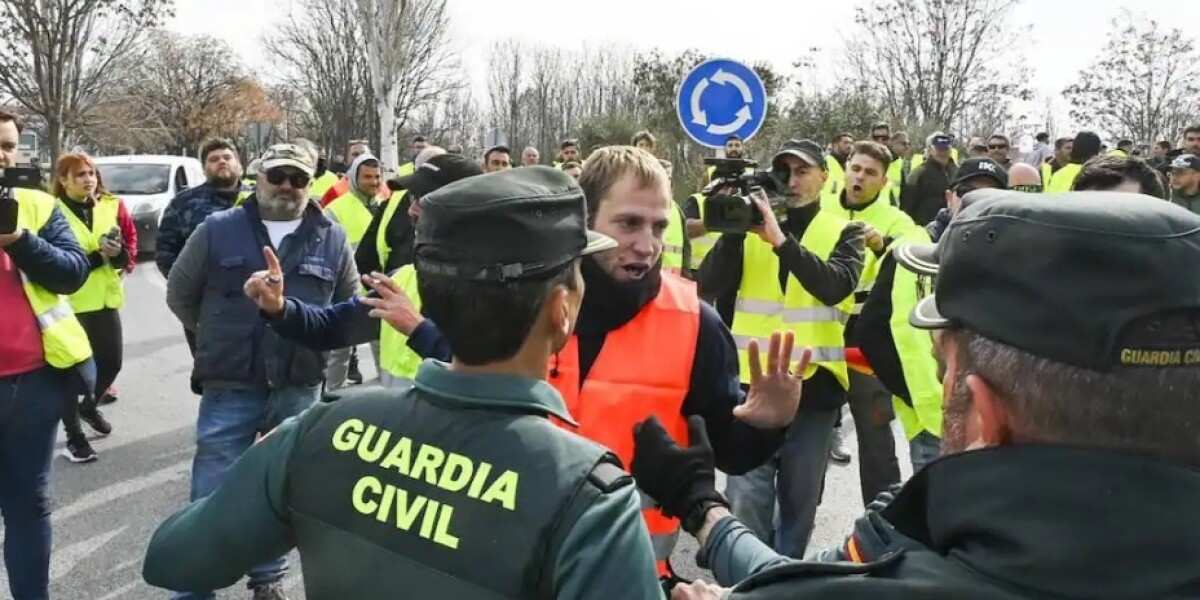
{"type": "Point", "coordinates": [797, 472]}
{"type": "Point", "coordinates": [30, 407]}
{"type": "Point", "coordinates": [923, 449]}
{"type": "Point", "coordinates": [227, 426]}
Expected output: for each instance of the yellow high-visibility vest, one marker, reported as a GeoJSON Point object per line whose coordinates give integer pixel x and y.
{"type": "Point", "coordinates": [1047, 175]}
{"type": "Point", "coordinates": [702, 245]}
{"type": "Point", "coordinates": [355, 218]}
{"type": "Point", "coordinates": [64, 341]}
{"type": "Point", "coordinates": [763, 308]}
{"type": "Point", "coordinates": [397, 362]}
{"type": "Point", "coordinates": [321, 185]}
{"type": "Point", "coordinates": [673, 240]}
{"type": "Point", "coordinates": [103, 287]}
{"type": "Point", "coordinates": [1064, 178]}
{"type": "Point", "coordinates": [407, 168]}
{"type": "Point", "coordinates": [888, 220]}
{"type": "Point", "coordinates": [837, 175]}
{"type": "Point", "coordinates": [914, 348]}
{"type": "Point", "coordinates": [382, 248]}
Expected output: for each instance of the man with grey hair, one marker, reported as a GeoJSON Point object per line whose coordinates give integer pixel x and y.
{"type": "Point", "coordinates": [530, 156]}
{"type": "Point", "coordinates": [252, 379]}
{"type": "Point", "coordinates": [387, 244]}
{"type": "Point", "coordinates": [924, 192]}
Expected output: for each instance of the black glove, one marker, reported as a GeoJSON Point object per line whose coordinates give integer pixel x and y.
{"type": "Point", "coordinates": [679, 479]}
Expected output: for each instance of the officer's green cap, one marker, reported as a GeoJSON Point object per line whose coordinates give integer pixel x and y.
{"type": "Point", "coordinates": [511, 224]}
{"type": "Point", "coordinates": [1090, 279]}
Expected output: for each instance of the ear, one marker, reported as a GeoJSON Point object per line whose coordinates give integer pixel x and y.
{"type": "Point", "coordinates": [995, 427]}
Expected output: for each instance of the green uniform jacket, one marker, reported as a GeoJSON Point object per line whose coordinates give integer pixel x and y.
{"type": "Point", "coordinates": [261, 511]}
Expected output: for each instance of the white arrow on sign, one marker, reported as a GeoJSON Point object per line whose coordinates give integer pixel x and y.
{"type": "Point", "coordinates": [743, 117]}
{"type": "Point", "coordinates": [698, 116]}
{"type": "Point", "coordinates": [725, 77]}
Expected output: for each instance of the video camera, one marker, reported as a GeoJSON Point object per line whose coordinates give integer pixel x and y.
{"type": "Point", "coordinates": [736, 213]}
{"type": "Point", "coordinates": [14, 177]}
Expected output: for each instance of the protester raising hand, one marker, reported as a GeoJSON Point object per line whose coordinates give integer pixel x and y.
{"type": "Point", "coordinates": [265, 288]}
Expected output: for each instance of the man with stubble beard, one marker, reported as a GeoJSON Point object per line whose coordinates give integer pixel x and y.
{"type": "Point", "coordinates": [188, 209]}
{"type": "Point", "coordinates": [253, 379]}
{"type": "Point", "coordinates": [619, 367]}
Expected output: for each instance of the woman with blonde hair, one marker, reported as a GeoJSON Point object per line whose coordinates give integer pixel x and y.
{"type": "Point", "coordinates": [93, 216]}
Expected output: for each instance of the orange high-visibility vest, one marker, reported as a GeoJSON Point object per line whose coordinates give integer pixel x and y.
{"type": "Point", "coordinates": [643, 369]}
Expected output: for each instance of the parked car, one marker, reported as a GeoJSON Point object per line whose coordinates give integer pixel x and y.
{"type": "Point", "coordinates": [147, 183]}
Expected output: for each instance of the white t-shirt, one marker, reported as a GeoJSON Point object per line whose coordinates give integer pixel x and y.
{"type": "Point", "coordinates": [277, 230]}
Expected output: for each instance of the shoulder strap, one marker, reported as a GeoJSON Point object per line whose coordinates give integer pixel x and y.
{"type": "Point", "coordinates": [606, 477]}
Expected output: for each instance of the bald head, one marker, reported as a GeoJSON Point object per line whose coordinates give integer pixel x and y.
{"type": "Point", "coordinates": [1021, 174]}
{"type": "Point", "coordinates": [426, 154]}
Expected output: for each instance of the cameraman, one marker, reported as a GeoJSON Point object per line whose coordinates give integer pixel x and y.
{"type": "Point", "coordinates": [40, 263]}
{"type": "Point", "coordinates": [800, 276]}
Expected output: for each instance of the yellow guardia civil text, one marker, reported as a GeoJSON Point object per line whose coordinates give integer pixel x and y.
{"type": "Point", "coordinates": [381, 498]}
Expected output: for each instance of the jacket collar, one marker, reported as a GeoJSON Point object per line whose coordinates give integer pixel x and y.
{"type": "Point", "coordinates": [1060, 521]}
{"type": "Point", "coordinates": [494, 391]}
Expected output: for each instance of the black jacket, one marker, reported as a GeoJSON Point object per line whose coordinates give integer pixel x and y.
{"type": "Point", "coordinates": [829, 281]}
{"type": "Point", "coordinates": [924, 192]}
{"type": "Point", "coordinates": [1018, 522]}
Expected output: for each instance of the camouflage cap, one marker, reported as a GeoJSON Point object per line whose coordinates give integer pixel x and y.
{"type": "Point", "coordinates": [288, 155]}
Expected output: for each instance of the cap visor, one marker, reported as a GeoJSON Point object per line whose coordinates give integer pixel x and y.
{"type": "Point", "coordinates": [597, 242]}
{"type": "Point", "coordinates": [798, 154]}
{"type": "Point", "coordinates": [921, 259]}
{"type": "Point", "coordinates": [926, 316]}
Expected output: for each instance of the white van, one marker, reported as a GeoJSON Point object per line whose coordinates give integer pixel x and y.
{"type": "Point", "coordinates": [147, 183]}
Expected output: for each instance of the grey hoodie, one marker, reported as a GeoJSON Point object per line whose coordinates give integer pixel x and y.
{"type": "Point", "coordinates": [352, 175]}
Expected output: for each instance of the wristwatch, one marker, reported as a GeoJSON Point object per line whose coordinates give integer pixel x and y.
{"type": "Point", "coordinates": [694, 520]}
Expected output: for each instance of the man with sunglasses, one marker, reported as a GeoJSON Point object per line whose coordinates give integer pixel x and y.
{"type": "Point", "coordinates": [252, 378]}
{"type": "Point", "coordinates": [998, 147]}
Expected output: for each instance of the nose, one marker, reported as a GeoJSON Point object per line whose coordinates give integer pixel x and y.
{"type": "Point", "coordinates": [645, 245]}
{"type": "Point", "coordinates": [6, 159]}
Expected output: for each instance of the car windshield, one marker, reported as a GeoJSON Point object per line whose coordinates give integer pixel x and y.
{"type": "Point", "coordinates": [136, 179]}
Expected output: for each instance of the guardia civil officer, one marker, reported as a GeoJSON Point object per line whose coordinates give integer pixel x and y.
{"type": "Point", "coordinates": [1072, 437]}
{"type": "Point", "coordinates": [461, 487]}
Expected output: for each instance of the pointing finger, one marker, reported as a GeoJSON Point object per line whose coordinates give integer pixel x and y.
{"type": "Point", "coordinates": [272, 261]}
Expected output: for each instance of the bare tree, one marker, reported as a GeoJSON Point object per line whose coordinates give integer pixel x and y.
{"type": "Point", "coordinates": [409, 60]}
{"type": "Point", "coordinates": [932, 60]}
{"type": "Point", "coordinates": [318, 61]}
{"type": "Point", "coordinates": [55, 55]}
{"type": "Point", "coordinates": [1145, 85]}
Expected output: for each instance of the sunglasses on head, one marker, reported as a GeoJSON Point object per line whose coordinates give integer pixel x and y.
{"type": "Point", "coordinates": [1032, 188]}
{"type": "Point", "coordinates": [298, 178]}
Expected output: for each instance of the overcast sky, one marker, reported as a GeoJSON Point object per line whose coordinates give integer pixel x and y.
{"type": "Point", "coordinates": [1059, 37]}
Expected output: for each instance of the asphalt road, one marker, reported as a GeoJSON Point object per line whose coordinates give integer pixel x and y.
{"type": "Point", "coordinates": [105, 512]}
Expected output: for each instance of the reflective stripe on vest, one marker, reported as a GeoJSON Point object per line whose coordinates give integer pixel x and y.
{"type": "Point", "coordinates": [352, 215]}
{"type": "Point", "coordinates": [390, 381]}
{"type": "Point", "coordinates": [702, 245]}
{"type": "Point", "coordinates": [1064, 178]}
{"type": "Point", "coordinates": [64, 341]}
{"type": "Point", "coordinates": [389, 211]}
{"type": "Point", "coordinates": [763, 308]}
{"type": "Point", "coordinates": [638, 373]}
{"type": "Point", "coordinates": [103, 287]}
{"type": "Point", "coordinates": [914, 348]}
{"type": "Point", "coordinates": [396, 359]}
{"type": "Point", "coordinates": [673, 239]}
